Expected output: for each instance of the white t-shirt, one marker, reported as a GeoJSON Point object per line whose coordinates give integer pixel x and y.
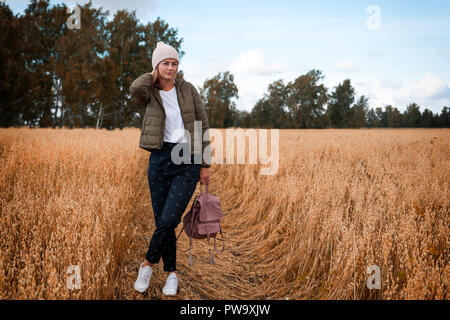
{"type": "Point", "coordinates": [174, 127]}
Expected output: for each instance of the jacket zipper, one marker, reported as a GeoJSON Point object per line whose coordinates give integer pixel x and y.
{"type": "Point", "coordinates": [164, 124]}
{"type": "Point", "coordinates": [181, 111]}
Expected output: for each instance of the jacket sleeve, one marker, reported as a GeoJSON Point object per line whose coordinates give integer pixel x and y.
{"type": "Point", "coordinates": [200, 115]}
{"type": "Point", "coordinates": [140, 88]}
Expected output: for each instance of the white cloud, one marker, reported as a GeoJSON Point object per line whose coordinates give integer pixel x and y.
{"type": "Point", "coordinates": [248, 75]}
{"type": "Point", "coordinates": [391, 84]}
{"type": "Point", "coordinates": [431, 87]}
{"type": "Point", "coordinates": [429, 92]}
{"type": "Point", "coordinates": [253, 73]}
{"type": "Point", "coordinates": [254, 62]}
{"type": "Point", "coordinates": [198, 72]}
{"type": "Point", "coordinates": [345, 65]}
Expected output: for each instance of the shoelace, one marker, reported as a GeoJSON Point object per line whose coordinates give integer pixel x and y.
{"type": "Point", "coordinates": [144, 276]}
{"type": "Point", "coordinates": [171, 282]}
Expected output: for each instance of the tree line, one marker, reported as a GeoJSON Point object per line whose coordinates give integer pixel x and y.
{"type": "Point", "coordinates": [306, 103]}
{"type": "Point", "coordinates": [56, 76]}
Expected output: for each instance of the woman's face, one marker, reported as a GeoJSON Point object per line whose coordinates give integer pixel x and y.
{"type": "Point", "coordinates": [168, 69]}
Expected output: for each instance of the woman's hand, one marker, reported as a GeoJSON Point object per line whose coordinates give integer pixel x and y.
{"type": "Point", "coordinates": [204, 175]}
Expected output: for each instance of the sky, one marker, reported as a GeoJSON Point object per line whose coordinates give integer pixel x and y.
{"type": "Point", "coordinates": [394, 52]}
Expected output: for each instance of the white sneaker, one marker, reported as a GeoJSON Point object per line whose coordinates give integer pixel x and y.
{"type": "Point", "coordinates": [143, 280]}
{"type": "Point", "coordinates": [170, 289]}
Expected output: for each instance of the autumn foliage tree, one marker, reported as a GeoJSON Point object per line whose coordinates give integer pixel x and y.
{"type": "Point", "coordinates": [60, 74]}
{"type": "Point", "coordinates": [13, 77]}
{"type": "Point", "coordinates": [53, 75]}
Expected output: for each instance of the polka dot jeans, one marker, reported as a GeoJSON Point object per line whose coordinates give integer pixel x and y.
{"type": "Point", "coordinates": [171, 188]}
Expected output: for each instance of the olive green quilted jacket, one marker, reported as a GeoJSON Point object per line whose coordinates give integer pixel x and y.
{"type": "Point", "coordinates": [153, 124]}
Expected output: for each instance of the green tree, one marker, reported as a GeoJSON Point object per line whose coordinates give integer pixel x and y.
{"type": "Point", "coordinates": [412, 115]}
{"type": "Point", "coordinates": [243, 119]}
{"type": "Point", "coordinates": [396, 118]}
{"type": "Point", "coordinates": [261, 114]}
{"type": "Point", "coordinates": [126, 57]}
{"type": "Point", "coordinates": [13, 77]}
{"type": "Point", "coordinates": [427, 119]}
{"type": "Point", "coordinates": [81, 51]}
{"type": "Point", "coordinates": [358, 113]}
{"type": "Point", "coordinates": [393, 117]}
{"type": "Point", "coordinates": [444, 118]}
{"type": "Point", "coordinates": [372, 119]}
{"type": "Point", "coordinates": [37, 45]}
{"type": "Point", "coordinates": [217, 94]}
{"type": "Point", "coordinates": [338, 111]}
{"type": "Point", "coordinates": [56, 28]}
{"type": "Point", "coordinates": [306, 100]}
{"type": "Point", "coordinates": [381, 115]}
{"type": "Point", "coordinates": [272, 110]}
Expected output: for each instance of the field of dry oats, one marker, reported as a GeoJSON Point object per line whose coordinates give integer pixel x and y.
{"type": "Point", "coordinates": [341, 201]}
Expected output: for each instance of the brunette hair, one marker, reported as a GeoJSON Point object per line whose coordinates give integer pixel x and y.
{"type": "Point", "coordinates": [155, 79]}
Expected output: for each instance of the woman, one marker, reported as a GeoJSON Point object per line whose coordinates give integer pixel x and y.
{"type": "Point", "coordinates": [172, 107]}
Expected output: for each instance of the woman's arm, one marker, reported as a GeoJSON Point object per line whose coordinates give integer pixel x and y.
{"type": "Point", "coordinates": [140, 88]}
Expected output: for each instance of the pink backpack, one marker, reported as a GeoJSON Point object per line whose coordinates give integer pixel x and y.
{"type": "Point", "coordinates": [203, 221]}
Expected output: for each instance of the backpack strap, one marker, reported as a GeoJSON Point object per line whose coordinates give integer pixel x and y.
{"type": "Point", "coordinates": [190, 255]}
{"type": "Point", "coordinates": [176, 243]}
{"type": "Point", "coordinates": [190, 238]}
{"type": "Point", "coordinates": [190, 242]}
{"type": "Point", "coordinates": [206, 186]}
{"type": "Point", "coordinates": [223, 246]}
{"type": "Point", "coordinates": [211, 256]}
{"type": "Point", "coordinates": [188, 249]}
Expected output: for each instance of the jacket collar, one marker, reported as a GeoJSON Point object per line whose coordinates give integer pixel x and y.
{"type": "Point", "coordinates": [178, 85]}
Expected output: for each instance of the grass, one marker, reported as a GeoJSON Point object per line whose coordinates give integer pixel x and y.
{"type": "Point", "coordinates": [341, 201]}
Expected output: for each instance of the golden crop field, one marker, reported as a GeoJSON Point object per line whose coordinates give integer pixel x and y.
{"type": "Point", "coordinates": [341, 201]}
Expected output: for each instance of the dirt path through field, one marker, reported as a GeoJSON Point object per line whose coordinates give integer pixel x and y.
{"type": "Point", "coordinates": [233, 276]}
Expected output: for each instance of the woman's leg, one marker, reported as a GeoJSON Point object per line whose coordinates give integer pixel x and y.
{"type": "Point", "coordinates": [159, 185]}
{"type": "Point", "coordinates": [183, 183]}
{"type": "Point", "coordinates": [168, 254]}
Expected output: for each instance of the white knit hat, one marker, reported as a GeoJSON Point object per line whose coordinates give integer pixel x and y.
{"type": "Point", "coordinates": [163, 51]}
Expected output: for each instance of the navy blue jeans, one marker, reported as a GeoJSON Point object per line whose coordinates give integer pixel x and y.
{"type": "Point", "coordinates": [171, 188]}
